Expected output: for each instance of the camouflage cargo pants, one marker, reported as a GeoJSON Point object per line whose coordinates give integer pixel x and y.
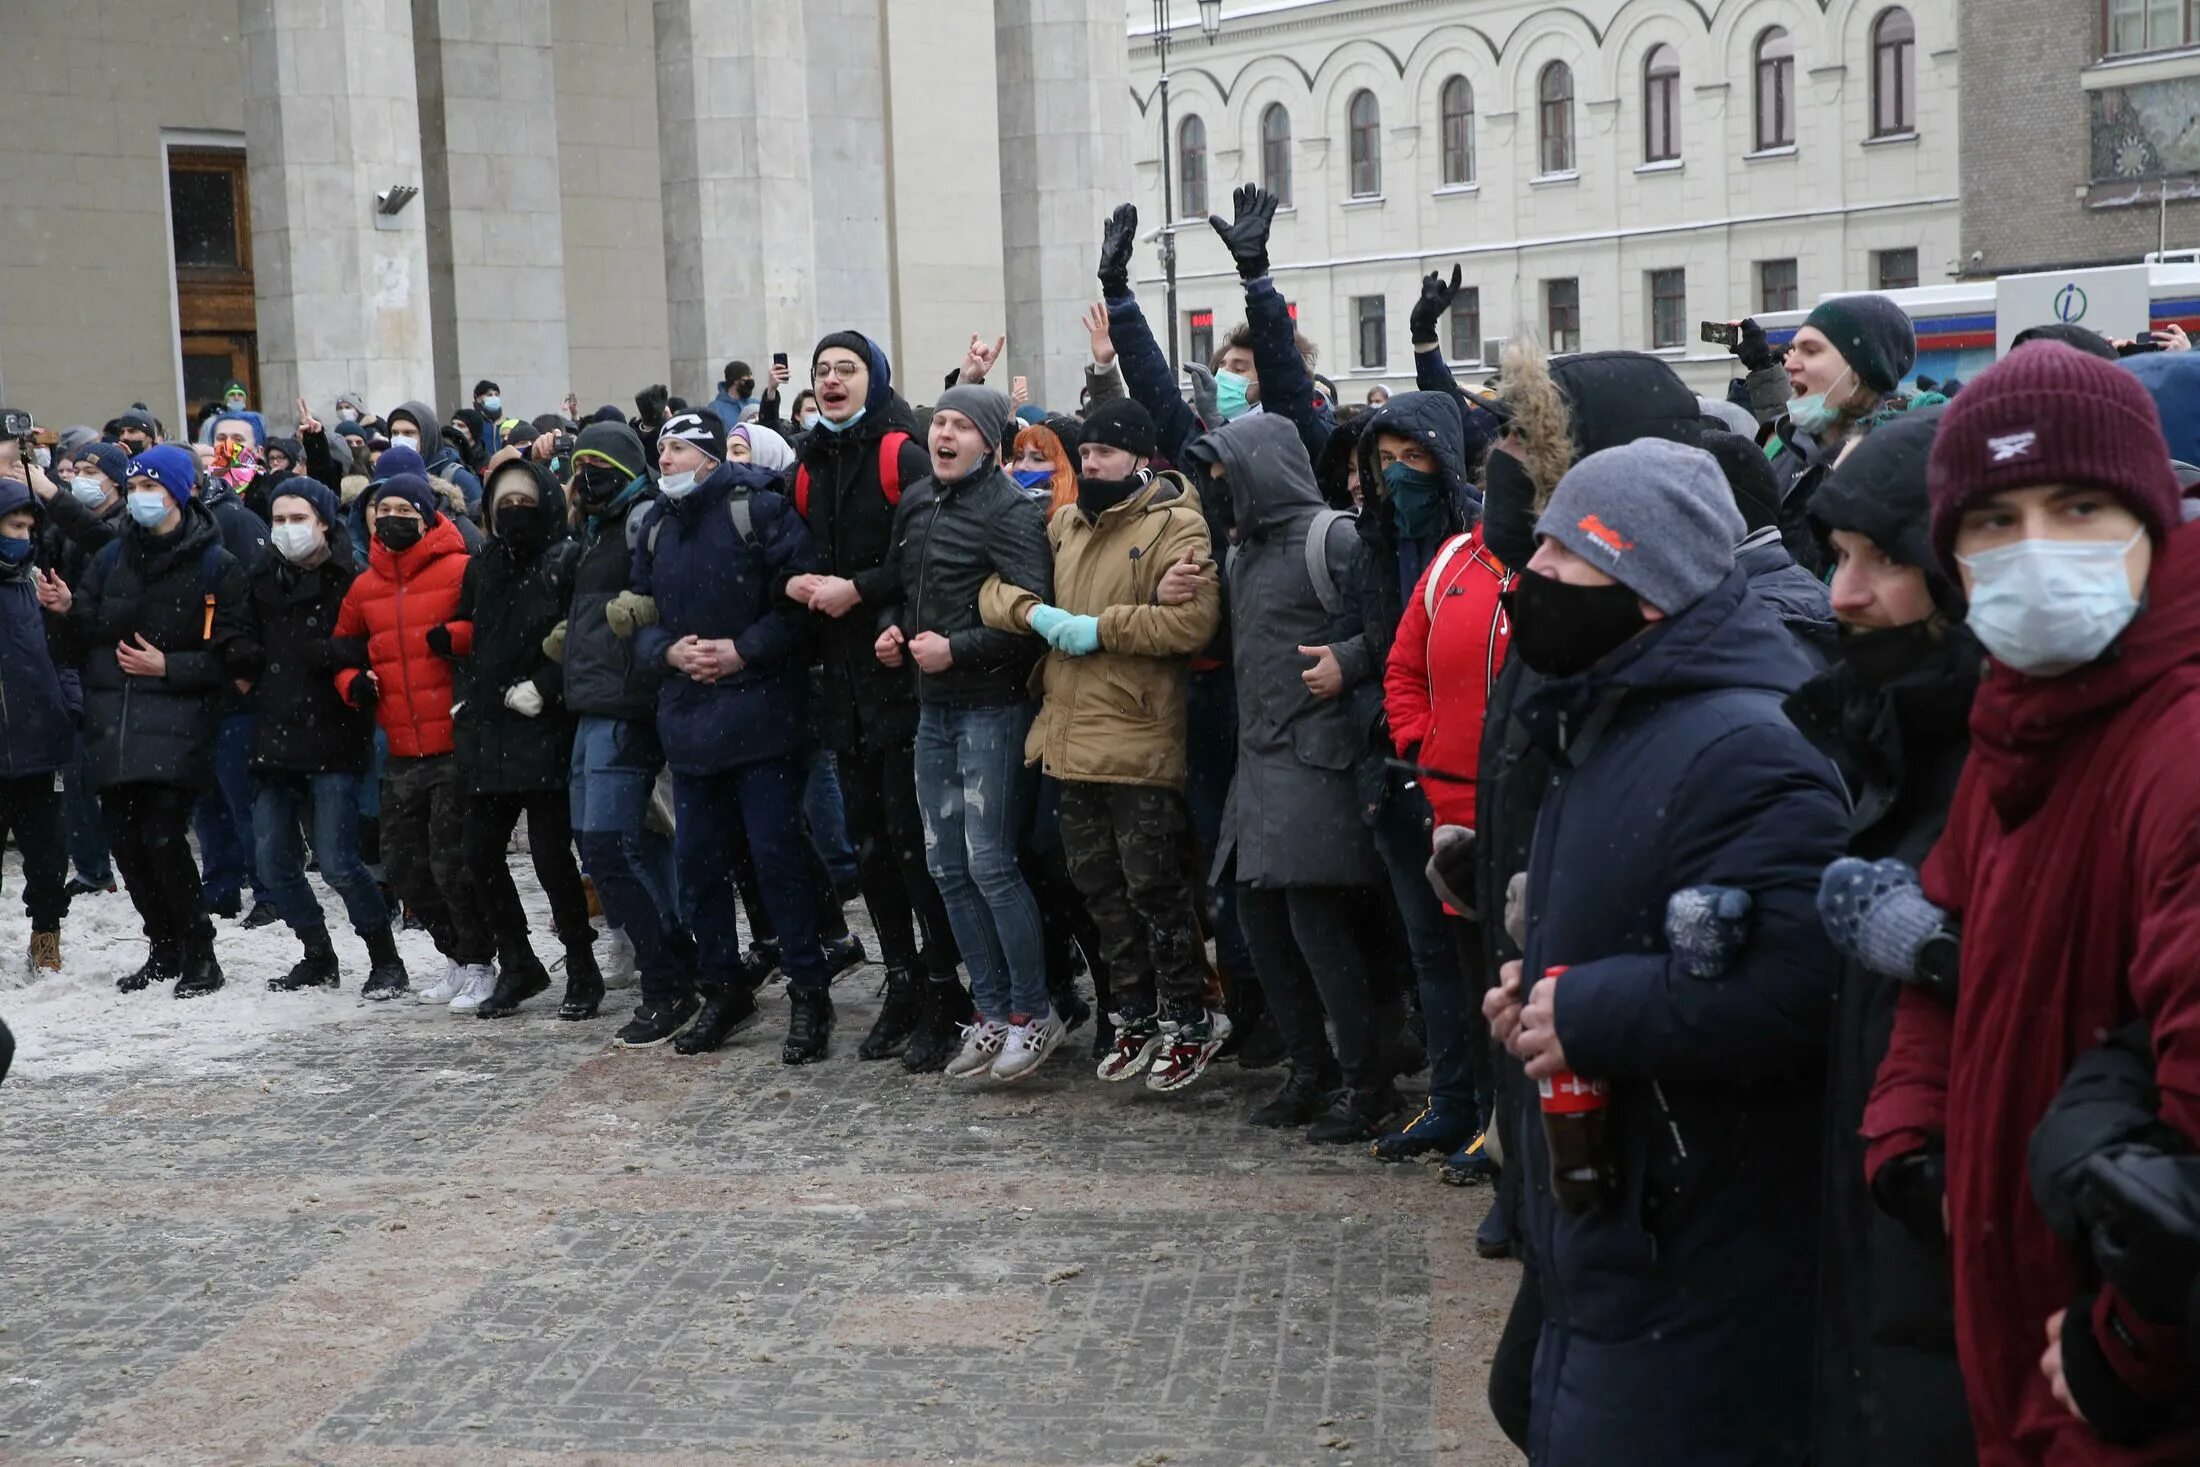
{"type": "Point", "coordinates": [1125, 846]}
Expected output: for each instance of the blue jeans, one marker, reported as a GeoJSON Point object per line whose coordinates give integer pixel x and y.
{"type": "Point", "coordinates": [970, 787]}
{"type": "Point", "coordinates": [615, 765]}
{"type": "Point", "coordinates": [80, 820]}
{"type": "Point", "coordinates": [766, 799]}
{"type": "Point", "coordinates": [1451, 1013]}
{"type": "Point", "coordinates": [332, 803]}
{"type": "Point", "coordinates": [223, 817]}
{"type": "Point", "coordinates": [822, 807]}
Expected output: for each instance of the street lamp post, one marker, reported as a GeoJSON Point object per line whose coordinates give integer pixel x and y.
{"type": "Point", "coordinates": [1210, 25]}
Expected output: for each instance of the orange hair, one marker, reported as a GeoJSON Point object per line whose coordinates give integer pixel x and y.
{"type": "Point", "coordinates": [1064, 482]}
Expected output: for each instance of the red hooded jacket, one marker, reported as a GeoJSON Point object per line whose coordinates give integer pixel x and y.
{"type": "Point", "coordinates": [1436, 685]}
{"type": "Point", "coordinates": [2072, 857]}
{"type": "Point", "coordinates": [393, 604]}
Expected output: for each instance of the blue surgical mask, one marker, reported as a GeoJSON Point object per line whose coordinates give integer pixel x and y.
{"type": "Point", "coordinates": [1815, 414]}
{"type": "Point", "coordinates": [15, 552]}
{"type": "Point", "coordinates": [150, 506]}
{"type": "Point", "coordinates": [2045, 607]}
{"type": "Point", "coordinates": [809, 421]}
{"type": "Point", "coordinates": [1230, 399]}
{"type": "Point", "coordinates": [1032, 478]}
{"type": "Point", "coordinates": [492, 405]}
{"type": "Point", "coordinates": [677, 486]}
{"type": "Point", "coordinates": [832, 427]}
{"type": "Point", "coordinates": [88, 491]}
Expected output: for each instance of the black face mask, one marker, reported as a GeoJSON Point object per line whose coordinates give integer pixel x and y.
{"type": "Point", "coordinates": [598, 487]}
{"type": "Point", "coordinates": [1095, 497]}
{"type": "Point", "coordinates": [397, 534]}
{"type": "Point", "coordinates": [521, 528]}
{"type": "Point", "coordinates": [1883, 656]}
{"type": "Point", "coordinates": [1560, 630]}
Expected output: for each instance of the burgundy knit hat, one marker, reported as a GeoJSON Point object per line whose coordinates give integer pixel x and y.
{"type": "Point", "coordinates": [2048, 414]}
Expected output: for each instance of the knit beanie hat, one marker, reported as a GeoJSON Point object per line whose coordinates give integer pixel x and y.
{"type": "Point", "coordinates": [110, 459]}
{"type": "Point", "coordinates": [614, 445]}
{"type": "Point", "coordinates": [397, 459]}
{"type": "Point", "coordinates": [1654, 515]}
{"type": "Point", "coordinates": [1872, 334]}
{"type": "Point", "coordinates": [2049, 414]}
{"type": "Point", "coordinates": [313, 492]}
{"type": "Point", "coordinates": [703, 430]}
{"type": "Point", "coordinates": [1749, 475]}
{"type": "Point", "coordinates": [1120, 423]}
{"type": "Point", "coordinates": [174, 469]}
{"type": "Point", "coordinates": [986, 407]}
{"type": "Point", "coordinates": [1879, 492]}
{"type": "Point", "coordinates": [412, 488]}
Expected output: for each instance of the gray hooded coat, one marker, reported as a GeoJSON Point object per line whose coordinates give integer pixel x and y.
{"type": "Point", "coordinates": [1293, 816]}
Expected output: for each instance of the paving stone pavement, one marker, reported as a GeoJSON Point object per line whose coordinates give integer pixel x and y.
{"type": "Point", "coordinates": [406, 1237]}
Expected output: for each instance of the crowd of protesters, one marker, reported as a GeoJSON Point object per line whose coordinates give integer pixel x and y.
{"type": "Point", "coordinates": [1772, 823]}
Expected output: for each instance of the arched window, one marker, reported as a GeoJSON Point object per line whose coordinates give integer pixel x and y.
{"type": "Point", "coordinates": [1455, 110]}
{"type": "Point", "coordinates": [1894, 74]}
{"type": "Point", "coordinates": [1554, 94]}
{"type": "Point", "coordinates": [1661, 105]}
{"type": "Point", "coordinates": [1191, 168]}
{"type": "Point", "coordinates": [1366, 120]}
{"type": "Point", "coordinates": [1775, 90]}
{"type": "Point", "coordinates": [1275, 152]}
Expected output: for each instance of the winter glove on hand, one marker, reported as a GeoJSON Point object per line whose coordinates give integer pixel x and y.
{"type": "Point", "coordinates": [1246, 236]}
{"type": "Point", "coordinates": [2138, 1228]}
{"type": "Point", "coordinates": [439, 640]}
{"type": "Point", "coordinates": [1910, 1190]}
{"type": "Point", "coordinates": [2116, 1408]}
{"type": "Point", "coordinates": [364, 692]}
{"type": "Point", "coordinates": [1876, 914]}
{"type": "Point", "coordinates": [1752, 350]}
{"type": "Point", "coordinates": [628, 612]}
{"type": "Point", "coordinates": [553, 645]}
{"type": "Point", "coordinates": [1705, 927]}
{"type": "Point", "coordinates": [1516, 910]}
{"type": "Point", "coordinates": [1077, 636]}
{"type": "Point", "coordinates": [1044, 619]}
{"type": "Point", "coordinates": [1116, 240]}
{"type": "Point", "coordinates": [1203, 394]}
{"type": "Point", "coordinates": [1451, 868]}
{"type": "Point", "coordinates": [1436, 298]}
{"type": "Point", "coordinates": [525, 699]}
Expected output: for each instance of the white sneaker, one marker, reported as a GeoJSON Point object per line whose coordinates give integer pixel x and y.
{"type": "Point", "coordinates": [618, 959]}
{"type": "Point", "coordinates": [446, 987]}
{"type": "Point", "coordinates": [981, 1043]}
{"type": "Point", "coordinates": [480, 982]}
{"type": "Point", "coordinates": [1027, 1046]}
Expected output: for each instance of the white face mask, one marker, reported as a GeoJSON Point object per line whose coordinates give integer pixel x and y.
{"type": "Point", "coordinates": [45, 458]}
{"type": "Point", "coordinates": [295, 541]}
{"type": "Point", "coordinates": [2045, 607]}
{"type": "Point", "coordinates": [405, 440]}
{"type": "Point", "coordinates": [677, 486]}
{"type": "Point", "coordinates": [88, 491]}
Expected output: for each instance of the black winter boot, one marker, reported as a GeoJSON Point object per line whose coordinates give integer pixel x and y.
{"type": "Point", "coordinates": [163, 964]}
{"type": "Point", "coordinates": [809, 1025]}
{"type": "Point", "coordinates": [583, 979]}
{"type": "Point", "coordinates": [947, 1008]}
{"type": "Point", "coordinates": [1302, 1098]}
{"type": "Point", "coordinates": [897, 1018]}
{"type": "Point", "coordinates": [519, 978]}
{"type": "Point", "coordinates": [201, 973]}
{"type": "Point", "coordinates": [1356, 1116]}
{"type": "Point", "coordinates": [1063, 970]}
{"type": "Point", "coordinates": [726, 1012]}
{"type": "Point", "coordinates": [386, 976]}
{"type": "Point", "coordinates": [317, 969]}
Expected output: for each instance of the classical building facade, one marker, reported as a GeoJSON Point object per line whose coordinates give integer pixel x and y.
{"type": "Point", "coordinates": [2078, 143]}
{"type": "Point", "coordinates": [399, 197]}
{"type": "Point", "coordinates": [1609, 173]}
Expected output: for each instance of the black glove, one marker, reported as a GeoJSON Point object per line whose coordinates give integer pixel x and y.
{"type": "Point", "coordinates": [439, 640]}
{"type": "Point", "coordinates": [1246, 236]}
{"type": "Point", "coordinates": [651, 403]}
{"type": "Point", "coordinates": [1753, 351]}
{"type": "Point", "coordinates": [1435, 299]}
{"type": "Point", "coordinates": [2115, 1411]}
{"type": "Point", "coordinates": [1909, 1189]}
{"type": "Point", "coordinates": [1115, 251]}
{"type": "Point", "coordinates": [364, 692]}
{"type": "Point", "coordinates": [2138, 1219]}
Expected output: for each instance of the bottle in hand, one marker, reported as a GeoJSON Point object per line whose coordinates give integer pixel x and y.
{"type": "Point", "coordinates": [1577, 1131]}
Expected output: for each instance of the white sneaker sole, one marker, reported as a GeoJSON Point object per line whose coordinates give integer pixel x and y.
{"type": "Point", "coordinates": [1132, 1070]}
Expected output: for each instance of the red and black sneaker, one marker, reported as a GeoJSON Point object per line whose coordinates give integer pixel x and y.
{"type": "Point", "coordinates": [1187, 1044]}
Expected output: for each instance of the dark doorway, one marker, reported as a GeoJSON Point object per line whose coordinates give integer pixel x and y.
{"type": "Point", "coordinates": [210, 220]}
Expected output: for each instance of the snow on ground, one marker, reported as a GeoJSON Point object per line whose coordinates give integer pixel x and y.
{"type": "Point", "coordinates": [78, 1023]}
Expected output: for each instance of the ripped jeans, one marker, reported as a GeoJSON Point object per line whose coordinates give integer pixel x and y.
{"type": "Point", "coordinates": [971, 787]}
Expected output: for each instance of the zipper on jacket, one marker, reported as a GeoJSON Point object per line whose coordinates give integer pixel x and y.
{"type": "Point", "coordinates": [924, 570]}
{"type": "Point", "coordinates": [404, 664]}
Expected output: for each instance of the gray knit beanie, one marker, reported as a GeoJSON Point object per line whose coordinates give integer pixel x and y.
{"type": "Point", "coordinates": [987, 407]}
{"type": "Point", "coordinates": [1654, 515]}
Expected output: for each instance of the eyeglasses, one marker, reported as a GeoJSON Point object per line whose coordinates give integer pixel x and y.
{"type": "Point", "coordinates": [845, 371]}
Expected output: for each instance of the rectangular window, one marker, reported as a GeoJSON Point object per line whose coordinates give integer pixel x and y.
{"type": "Point", "coordinates": [1668, 308]}
{"type": "Point", "coordinates": [1776, 285]}
{"type": "Point", "coordinates": [1199, 336]}
{"type": "Point", "coordinates": [1661, 141]}
{"type": "Point", "coordinates": [2147, 25]}
{"type": "Point", "coordinates": [1466, 325]}
{"type": "Point", "coordinates": [1562, 314]}
{"type": "Point", "coordinates": [1374, 328]}
{"type": "Point", "coordinates": [1895, 269]}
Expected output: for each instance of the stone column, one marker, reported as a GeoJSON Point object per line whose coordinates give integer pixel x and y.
{"type": "Point", "coordinates": [331, 118]}
{"type": "Point", "coordinates": [734, 151]}
{"type": "Point", "coordinates": [495, 226]}
{"type": "Point", "coordinates": [1065, 162]}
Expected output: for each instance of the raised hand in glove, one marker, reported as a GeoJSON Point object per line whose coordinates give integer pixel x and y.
{"type": "Point", "coordinates": [1246, 236]}
{"type": "Point", "coordinates": [1875, 912]}
{"type": "Point", "coordinates": [525, 699]}
{"type": "Point", "coordinates": [1705, 927]}
{"type": "Point", "coordinates": [1076, 636]}
{"type": "Point", "coordinates": [1451, 868]}
{"type": "Point", "coordinates": [1752, 350]}
{"type": "Point", "coordinates": [1436, 298]}
{"type": "Point", "coordinates": [1116, 239]}
{"type": "Point", "coordinates": [628, 612]}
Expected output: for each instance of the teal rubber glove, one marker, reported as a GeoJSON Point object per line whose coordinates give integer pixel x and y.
{"type": "Point", "coordinates": [1045, 619]}
{"type": "Point", "coordinates": [1077, 636]}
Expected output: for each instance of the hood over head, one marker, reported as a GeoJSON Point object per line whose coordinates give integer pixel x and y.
{"type": "Point", "coordinates": [549, 505]}
{"type": "Point", "coordinates": [767, 450]}
{"type": "Point", "coordinates": [1267, 473]}
{"type": "Point", "coordinates": [882, 371]}
{"type": "Point", "coordinates": [1437, 421]}
{"type": "Point", "coordinates": [421, 415]}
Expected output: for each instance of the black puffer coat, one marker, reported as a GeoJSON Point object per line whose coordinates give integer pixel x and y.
{"type": "Point", "coordinates": [512, 601]}
{"type": "Point", "coordinates": [184, 594]}
{"type": "Point", "coordinates": [948, 539]}
{"type": "Point", "coordinates": [603, 676]}
{"type": "Point", "coordinates": [286, 654]}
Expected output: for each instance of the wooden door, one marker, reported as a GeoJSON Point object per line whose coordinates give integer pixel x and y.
{"type": "Point", "coordinates": [210, 221]}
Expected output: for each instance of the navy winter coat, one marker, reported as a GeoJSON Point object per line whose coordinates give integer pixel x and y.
{"type": "Point", "coordinates": [39, 701]}
{"type": "Point", "coordinates": [711, 583]}
{"type": "Point", "coordinates": [1679, 1322]}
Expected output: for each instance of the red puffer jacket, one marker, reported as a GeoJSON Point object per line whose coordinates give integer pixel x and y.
{"type": "Point", "coordinates": [2072, 858]}
{"type": "Point", "coordinates": [393, 605]}
{"type": "Point", "coordinates": [1437, 684]}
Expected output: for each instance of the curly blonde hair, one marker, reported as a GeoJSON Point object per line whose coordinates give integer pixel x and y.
{"type": "Point", "coordinates": [1540, 425]}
